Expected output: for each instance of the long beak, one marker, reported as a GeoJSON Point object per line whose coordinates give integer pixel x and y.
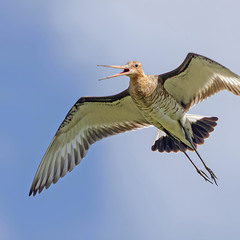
{"type": "Point", "coordinates": [125, 71]}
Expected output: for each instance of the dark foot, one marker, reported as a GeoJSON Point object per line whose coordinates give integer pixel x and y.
{"type": "Point", "coordinates": [213, 176]}
{"type": "Point", "coordinates": [204, 175]}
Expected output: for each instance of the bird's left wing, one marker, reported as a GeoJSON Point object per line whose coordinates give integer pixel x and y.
{"type": "Point", "coordinates": [198, 78]}
{"type": "Point", "coordinates": [89, 120]}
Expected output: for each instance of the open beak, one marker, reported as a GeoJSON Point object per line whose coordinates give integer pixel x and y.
{"type": "Point", "coordinates": [125, 71]}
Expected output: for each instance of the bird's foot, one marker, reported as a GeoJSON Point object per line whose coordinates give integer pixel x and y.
{"type": "Point", "coordinates": [203, 174]}
{"type": "Point", "coordinates": [213, 176]}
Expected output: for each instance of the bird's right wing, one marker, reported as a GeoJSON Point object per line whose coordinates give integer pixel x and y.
{"type": "Point", "coordinates": [198, 78]}
{"type": "Point", "coordinates": [89, 120]}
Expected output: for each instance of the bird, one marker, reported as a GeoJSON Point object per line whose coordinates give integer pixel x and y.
{"type": "Point", "coordinates": [161, 100]}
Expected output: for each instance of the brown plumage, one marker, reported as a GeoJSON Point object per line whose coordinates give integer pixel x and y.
{"type": "Point", "coordinates": [151, 100]}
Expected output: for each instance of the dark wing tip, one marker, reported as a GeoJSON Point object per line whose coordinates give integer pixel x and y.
{"type": "Point", "coordinates": [33, 189]}
{"type": "Point", "coordinates": [32, 192]}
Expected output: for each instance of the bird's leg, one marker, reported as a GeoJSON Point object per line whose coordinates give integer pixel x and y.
{"type": "Point", "coordinates": [199, 171]}
{"type": "Point", "coordinates": [213, 176]}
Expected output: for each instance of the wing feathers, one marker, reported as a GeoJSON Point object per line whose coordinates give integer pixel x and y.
{"type": "Point", "coordinates": [198, 78]}
{"type": "Point", "coordinates": [88, 121]}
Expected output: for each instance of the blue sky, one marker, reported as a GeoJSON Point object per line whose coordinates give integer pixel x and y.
{"type": "Point", "coordinates": [122, 190]}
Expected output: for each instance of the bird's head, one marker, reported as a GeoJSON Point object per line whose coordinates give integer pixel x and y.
{"type": "Point", "coordinates": [133, 69]}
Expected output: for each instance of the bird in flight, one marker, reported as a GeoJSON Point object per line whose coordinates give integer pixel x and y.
{"type": "Point", "coordinates": [150, 100]}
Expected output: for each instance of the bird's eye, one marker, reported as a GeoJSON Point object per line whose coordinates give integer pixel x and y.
{"type": "Point", "coordinates": [136, 65]}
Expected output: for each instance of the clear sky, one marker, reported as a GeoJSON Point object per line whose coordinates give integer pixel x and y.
{"type": "Point", "coordinates": [122, 190]}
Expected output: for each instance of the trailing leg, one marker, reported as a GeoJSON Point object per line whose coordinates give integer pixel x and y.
{"type": "Point", "coordinates": [181, 148]}
{"type": "Point", "coordinates": [213, 176]}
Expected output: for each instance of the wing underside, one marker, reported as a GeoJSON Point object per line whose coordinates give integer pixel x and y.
{"type": "Point", "coordinates": [88, 121]}
{"type": "Point", "coordinates": [198, 78]}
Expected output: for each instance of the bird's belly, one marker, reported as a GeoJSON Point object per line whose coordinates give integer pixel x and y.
{"type": "Point", "coordinates": [161, 110]}
{"type": "Point", "coordinates": [165, 116]}
{"type": "Point", "coordinates": [168, 121]}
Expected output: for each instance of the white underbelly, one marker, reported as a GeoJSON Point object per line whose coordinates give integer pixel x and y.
{"type": "Point", "coordinates": [166, 121]}
{"type": "Point", "coordinates": [168, 118]}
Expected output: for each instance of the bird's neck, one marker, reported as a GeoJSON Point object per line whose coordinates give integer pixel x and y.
{"type": "Point", "coordinates": [143, 85]}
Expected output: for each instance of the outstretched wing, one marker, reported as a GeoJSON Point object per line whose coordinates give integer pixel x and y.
{"type": "Point", "coordinates": [198, 78]}
{"type": "Point", "coordinates": [89, 120]}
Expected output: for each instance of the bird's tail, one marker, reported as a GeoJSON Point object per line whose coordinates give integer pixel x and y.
{"type": "Point", "coordinates": [201, 127]}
